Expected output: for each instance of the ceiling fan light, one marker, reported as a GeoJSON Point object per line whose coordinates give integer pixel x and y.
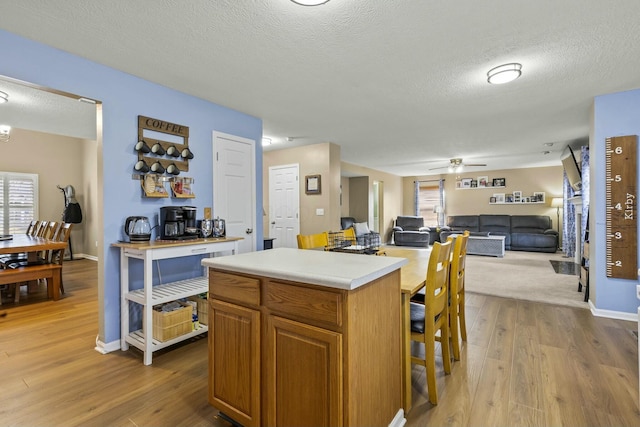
{"type": "Point", "coordinates": [504, 73]}
{"type": "Point", "coordinates": [4, 97]}
{"type": "Point", "coordinates": [310, 2]}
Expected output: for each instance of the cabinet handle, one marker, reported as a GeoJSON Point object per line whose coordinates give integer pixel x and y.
{"type": "Point", "coordinates": [199, 250]}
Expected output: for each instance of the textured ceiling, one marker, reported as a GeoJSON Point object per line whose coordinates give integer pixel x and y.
{"type": "Point", "coordinates": [400, 85]}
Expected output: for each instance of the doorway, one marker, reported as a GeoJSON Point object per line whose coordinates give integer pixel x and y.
{"type": "Point", "coordinates": [284, 205]}
{"type": "Point", "coordinates": [234, 190]}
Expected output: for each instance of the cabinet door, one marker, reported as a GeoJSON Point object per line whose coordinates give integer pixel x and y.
{"type": "Point", "coordinates": [303, 375]}
{"type": "Point", "coordinates": [234, 361]}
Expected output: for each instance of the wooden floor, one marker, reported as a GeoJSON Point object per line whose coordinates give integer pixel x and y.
{"type": "Point", "coordinates": [525, 364]}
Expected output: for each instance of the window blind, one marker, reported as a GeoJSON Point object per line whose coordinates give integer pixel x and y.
{"type": "Point", "coordinates": [18, 201]}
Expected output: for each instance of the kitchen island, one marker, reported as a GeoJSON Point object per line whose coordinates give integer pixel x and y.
{"type": "Point", "coordinates": [303, 337]}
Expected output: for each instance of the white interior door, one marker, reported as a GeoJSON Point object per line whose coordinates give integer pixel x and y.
{"type": "Point", "coordinates": [234, 191]}
{"type": "Point", "coordinates": [284, 205]}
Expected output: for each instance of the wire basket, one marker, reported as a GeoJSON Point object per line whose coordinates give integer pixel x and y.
{"type": "Point", "coordinates": [366, 244]}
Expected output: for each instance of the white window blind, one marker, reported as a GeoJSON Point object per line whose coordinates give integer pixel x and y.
{"type": "Point", "coordinates": [18, 201]}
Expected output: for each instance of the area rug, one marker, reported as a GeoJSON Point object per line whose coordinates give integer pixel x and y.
{"type": "Point", "coordinates": [523, 275]}
{"type": "Point", "coordinates": [565, 267]}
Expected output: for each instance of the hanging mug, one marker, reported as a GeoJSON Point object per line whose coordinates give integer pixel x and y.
{"type": "Point", "coordinates": [158, 149]}
{"type": "Point", "coordinates": [142, 146]}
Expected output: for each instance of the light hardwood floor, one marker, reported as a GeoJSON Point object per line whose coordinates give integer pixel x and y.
{"type": "Point", "coordinates": [525, 364]}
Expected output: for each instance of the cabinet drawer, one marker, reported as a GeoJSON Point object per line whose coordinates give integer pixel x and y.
{"type": "Point", "coordinates": [304, 303]}
{"type": "Point", "coordinates": [233, 287]}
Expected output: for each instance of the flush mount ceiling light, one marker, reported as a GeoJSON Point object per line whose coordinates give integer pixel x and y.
{"type": "Point", "coordinates": [310, 2]}
{"type": "Point", "coordinates": [4, 97]}
{"type": "Point", "coordinates": [504, 73]}
{"type": "Point", "coordinates": [266, 141]}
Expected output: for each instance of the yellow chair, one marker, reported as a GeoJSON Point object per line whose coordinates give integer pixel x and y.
{"type": "Point", "coordinates": [456, 292]}
{"type": "Point", "coordinates": [433, 316]}
{"type": "Point", "coordinates": [311, 241]}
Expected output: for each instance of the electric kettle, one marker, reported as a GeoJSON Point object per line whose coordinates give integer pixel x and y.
{"type": "Point", "coordinates": [138, 229]}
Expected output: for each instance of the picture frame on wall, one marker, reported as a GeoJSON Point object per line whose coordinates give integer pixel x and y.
{"type": "Point", "coordinates": [499, 197]}
{"type": "Point", "coordinates": [492, 199]}
{"type": "Point", "coordinates": [312, 184]}
{"type": "Point", "coordinates": [482, 181]}
{"type": "Point", "coordinates": [499, 182]}
{"type": "Point", "coordinates": [466, 182]}
{"type": "Point", "coordinates": [517, 196]}
{"type": "Point", "coordinates": [538, 196]}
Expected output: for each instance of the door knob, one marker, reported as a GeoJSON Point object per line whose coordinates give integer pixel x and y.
{"type": "Point", "coordinates": [273, 223]}
{"type": "Point", "coordinates": [249, 230]}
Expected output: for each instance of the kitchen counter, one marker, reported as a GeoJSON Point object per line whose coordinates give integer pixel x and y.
{"type": "Point", "coordinates": [330, 269]}
{"type": "Point", "coordinates": [305, 337]}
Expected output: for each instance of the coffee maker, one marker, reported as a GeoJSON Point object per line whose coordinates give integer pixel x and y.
{"type": "Point", "coordinates": [178, 223]}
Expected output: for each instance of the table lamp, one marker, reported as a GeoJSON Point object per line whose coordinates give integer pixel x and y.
{"type": "Point", "coordinates": [558, 202]}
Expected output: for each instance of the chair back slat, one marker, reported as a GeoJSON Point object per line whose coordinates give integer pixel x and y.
{"type": "Point", "coordinates": [311, 241]}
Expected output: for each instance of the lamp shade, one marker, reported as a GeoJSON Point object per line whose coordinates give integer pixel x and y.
{"type": "Point", "coordinates": [557, 202]}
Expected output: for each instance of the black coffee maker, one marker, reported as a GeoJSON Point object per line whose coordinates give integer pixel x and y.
{"type": "Point", "coordinates": [176, 223]}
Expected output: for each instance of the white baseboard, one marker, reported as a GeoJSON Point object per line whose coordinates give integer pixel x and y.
{"type": "Point", "coordinates": [620, 315]}
{"type": "Point", "coordinates": [85, 256]}
{"type": "Point", "coordinates": [108, 347]}
{"type": "Point", "coordinates": [399, 420]}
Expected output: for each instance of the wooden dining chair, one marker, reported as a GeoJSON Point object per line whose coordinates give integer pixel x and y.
{"type": "Point", "coordinates": [433, 316]}
{"type": "Point", "coordinates": [57, 256]}
{"type": "Point", "coordinates": [456, 291]}
{"type": "Point", "coordinates": [42, 229]}
{"type": "Point", "coordinates": [312, 241]}
{"type": "Point", "coordinates": [33, 227]}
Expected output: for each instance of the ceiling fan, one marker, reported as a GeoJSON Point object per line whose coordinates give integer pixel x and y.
{"type": "Point", "coordinates": [456, 165]}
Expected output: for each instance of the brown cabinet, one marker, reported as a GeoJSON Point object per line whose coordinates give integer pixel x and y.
{"type": "Point", "coordinates": [234, 374]}
{"type": "Point", "coordinates": [285, 353]}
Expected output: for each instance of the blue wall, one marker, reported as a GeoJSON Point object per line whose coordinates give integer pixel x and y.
{"type": "Point", "coordinates": [124, 97]}
{"type": "Point", "coordinates": [616, 114]}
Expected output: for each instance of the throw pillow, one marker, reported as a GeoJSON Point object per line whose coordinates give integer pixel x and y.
{"type": "Point", "coordinates": [361, 228]}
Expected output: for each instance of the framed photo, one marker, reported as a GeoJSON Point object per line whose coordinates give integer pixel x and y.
{"type": "Point", "coordinates": [499, 182]}
{"type": "Point", "coordinates": [312, 184]}
{"type": "Point", "coordinates": [526, 199]}
{"type": "Point", "coordinates": [517, 196]}
{"type": "Point", "coordinates": [474, 183]}
{"type": "Point", "coordinates": [508, 198]}
{"type": "Point", "coordinates": [482, 181]}
{"type": "Point", "coordinates": [538, 196]}
{"type": "Point", "coordinates": [458, 184]}
{"type": "Point", "coordinates": [499, 197]}
{"type": "Point", "coordinates": [466, 182]}
{"type": "Point", "coordinates": [492, 199]}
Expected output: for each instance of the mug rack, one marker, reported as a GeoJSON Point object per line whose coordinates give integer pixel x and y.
{"type": "Point", "coordinates": [157, 157]}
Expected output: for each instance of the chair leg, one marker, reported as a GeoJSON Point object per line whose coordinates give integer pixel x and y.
{"type": "Point", "coordinates": [444, 344]}
{"type": "Point", "coordinates": [430, 365]}
{"type": "Point", "coordinates": [455, 334]}
{"type": "Point", "coordinates": [463, 322]}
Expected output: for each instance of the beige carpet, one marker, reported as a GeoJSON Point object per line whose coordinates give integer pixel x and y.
{"type": "Point", "coordinates": [523, 275]}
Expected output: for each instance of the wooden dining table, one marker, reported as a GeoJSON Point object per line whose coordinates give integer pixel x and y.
{"type": "Point", "coordinates": [31, 245]}
{"type": "Point", "coordinates": [412, 279]}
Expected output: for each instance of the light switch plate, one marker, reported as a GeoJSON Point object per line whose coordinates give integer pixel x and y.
{"type": "Point", "coordinates": [319, 211]}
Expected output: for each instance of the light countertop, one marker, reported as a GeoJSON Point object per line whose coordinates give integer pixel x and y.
{"type": "Point", "coordinates": [331, 269]}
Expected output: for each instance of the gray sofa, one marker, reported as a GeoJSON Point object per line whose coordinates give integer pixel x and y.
{"type": "Point", "coordinates": [522, 232]}
{"type": "Point", "coordinates": [410, 231]}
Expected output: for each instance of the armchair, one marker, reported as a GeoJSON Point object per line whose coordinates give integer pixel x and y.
{"type": "Point", "coordinates": [410, 231]}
